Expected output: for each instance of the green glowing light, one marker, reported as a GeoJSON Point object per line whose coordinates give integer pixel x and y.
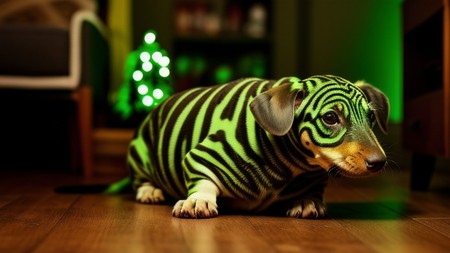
{"type": "Point", "coordinates": [143, 89]}
{"type": "Point", "coordinates": [199, 64]}
{"type": "Point", "coordinates": [157, 56]}
{"type": "Point", "coordinates": [147, 66]}
{"type": "Point", "coordinates": [137, 75]}
{"type": "Point", "coordinates": [150, 38]}
{"type": "Point", "coordinates": [164, 61]}
{"type": "Point", "coordinates": [182, 65]}
{"type": "Point", "coordinates": [158, 93]}
{"type": "Point", "coordinates": [145, 56]}
{"type": "Point", "coordinates": [147, 100]}
{"type": "Point", "coordinates": [164, 72]}
{"type": "Point", "coordinates": [258, 71]}
{"type": "Point", "coordinates": [223, 74]}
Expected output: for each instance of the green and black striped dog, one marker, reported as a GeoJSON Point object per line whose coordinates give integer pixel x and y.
{"type": "Point", "coordinates": [253, 144]}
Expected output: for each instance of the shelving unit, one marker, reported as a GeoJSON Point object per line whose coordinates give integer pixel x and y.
{"type": "Point", "coordinates": [217, 41]}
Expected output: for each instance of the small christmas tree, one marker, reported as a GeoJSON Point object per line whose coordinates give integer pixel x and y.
{"type": "Point", "coordinates": [147, 79]}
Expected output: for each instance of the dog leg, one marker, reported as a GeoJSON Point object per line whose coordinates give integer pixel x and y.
{"type": "Point", "coordinates": [148, 194]}
{"type": "Point", "coordinates": [308, 208]}
{"type": "Point", "coordinates": [201, 203]}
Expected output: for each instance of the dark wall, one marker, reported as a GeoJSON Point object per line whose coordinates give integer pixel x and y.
{"type": "Point", "coordinates": [356, 39]}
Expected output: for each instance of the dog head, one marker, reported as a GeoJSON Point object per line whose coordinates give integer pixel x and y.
{"type": "Point", "coordinates": [329, 119]}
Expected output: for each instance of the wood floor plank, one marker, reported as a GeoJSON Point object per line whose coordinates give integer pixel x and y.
{"type": "Point", "coordinates": [400, 199]}
{"type": "Point", "coordinates": [27, 220]}
{"type": "Point", "coordinates": [298, 235]}
{"type": "Point", "coordinates": [428, 205]}
{"type": "Point", "coordinates": [380, 217]}
{"type": "Point", "coordinates": [227, 233]}
{"type": "Point", "coordinates": [442, 225]}
{"type": "Point", "coordinates": [8, 198]}
{"type": "Point", "coordinates": [397, 235]}
{"type": "Point", "coordinates": [114, 224]}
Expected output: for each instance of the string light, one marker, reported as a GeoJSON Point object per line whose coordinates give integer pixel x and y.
{"type": "Point", "coordinates": [147, 100]}
{"type": "Point", "coordinates": [157, 56]}
{"type": "Point", "coordinates": [145, 56]}
{"type": "Point", "coordinates": [164, 61]}
{"type": "Point", "coordinates": [150, 37]}
{"type": "Point", "coordinates": [147, 66]}
{"type": "Point", "coordinates": [164, 72]}
{"type": "Point", "coordinates": [137, 75]}
{"type": "Point", "coordinates": [143, 89]}
{"type": "Point", "coordinates": [158, 93]}
{"type": "Point", "coordinates": [148, 81]}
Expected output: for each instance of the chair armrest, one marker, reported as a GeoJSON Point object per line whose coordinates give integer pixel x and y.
{"type": "Point", "coordinates": [85, 29]}
{"type": "Point", "coordinates": [94, 54]}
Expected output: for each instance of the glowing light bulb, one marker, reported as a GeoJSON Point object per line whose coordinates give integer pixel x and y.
{"type": "Point", "coordinates": [164, 72]}
{"type": "Point", "coordinates": [147, 100]}
{"type": "Point", "coordinates": [137, 75]}
{"type": "Point", "coordinates": [143, 89]}
{"type": "Point", "coordinates": [150, 38]}
{"type": "Point", "coordinates": [157, 56]}
{"type": "Point", "coordinates": [145, 56]}
{"type": "Point", "coordinates": [164, 62]}
{"type": "Point", "coordinates": [147, 66]}
{"type": "Point", "coordinates": [158, 93]}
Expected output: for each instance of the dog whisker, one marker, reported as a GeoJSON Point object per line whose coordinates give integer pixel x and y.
{"type": "Point", "coordinates": [334, 171]}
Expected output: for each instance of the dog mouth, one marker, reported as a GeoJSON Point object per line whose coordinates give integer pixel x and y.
{"type": "Point", "coordinates": [336, 171]}
{"type": "Point", "coordinates": [348, 171]}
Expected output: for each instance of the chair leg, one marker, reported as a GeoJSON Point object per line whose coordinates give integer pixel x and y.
{"type": "Point", "coordinates": [74, 140]}
{"type": "Point", "coordinates": [84, 118]}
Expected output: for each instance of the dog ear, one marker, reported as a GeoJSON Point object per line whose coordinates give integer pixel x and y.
{"type": "Point", "coordinates": [274, 109]}
{"type": "Point", "coordinates": [379, 102]}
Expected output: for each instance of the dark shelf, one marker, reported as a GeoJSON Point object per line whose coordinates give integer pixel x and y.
{"type": "Point", "coordinates": [219, 41]}
{"type": "Point", "coordinates": [222, 39]}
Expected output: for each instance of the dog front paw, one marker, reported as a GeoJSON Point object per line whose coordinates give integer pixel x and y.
{"type": "Point", "coordinates": [148, 194]}
{"type": "Point", "coordinates": [308, 209]}
{"type": "Point", "coordinates": [195, 208]}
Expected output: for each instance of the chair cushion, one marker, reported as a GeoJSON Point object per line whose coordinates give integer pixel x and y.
{"type": "Point", "coordinates": [34, 50]}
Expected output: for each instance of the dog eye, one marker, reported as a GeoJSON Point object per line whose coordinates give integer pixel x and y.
{"type": "Point", "coordinates": [330, 118]}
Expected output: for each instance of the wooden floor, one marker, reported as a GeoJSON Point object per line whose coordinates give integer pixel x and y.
{"type": "Point", "coordinates": [377, 214]}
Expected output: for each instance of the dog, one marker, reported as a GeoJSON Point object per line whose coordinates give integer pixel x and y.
{"type": "Point", "coordinates": [255, 144]}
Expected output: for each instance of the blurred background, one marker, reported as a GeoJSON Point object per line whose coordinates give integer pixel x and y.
{"type": "Point", "coordinates": [198, 43]}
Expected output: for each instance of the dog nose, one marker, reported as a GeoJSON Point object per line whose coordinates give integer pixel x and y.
{"type": "Point", "coordinates": [375, 164]}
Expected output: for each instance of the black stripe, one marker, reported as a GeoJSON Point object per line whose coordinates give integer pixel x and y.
{"type": "Point", "coordinates": [239, 164]}
{"type": "Point", "coordinates": [227, 181]}
{"type": "Point", "coordinates": [170, 122]}
{"type": "Point", "coordinates": [230, 110]}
